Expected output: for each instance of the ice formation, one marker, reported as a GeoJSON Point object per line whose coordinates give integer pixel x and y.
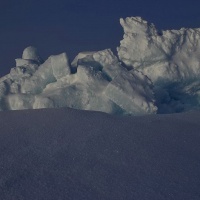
{"type": "Point", "coordinates": [94, 81]}
{"type": "Point", "coordinates": [163, 56]}
{"type": "Point", "coordinates": [68, 154]}
{"type": "Point", "coordinates": [156, 72]}
{"type": "Point", "coordinates": [169, 58]}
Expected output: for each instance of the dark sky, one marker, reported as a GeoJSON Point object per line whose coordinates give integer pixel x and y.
{"type": "Point", "coordinates": [56, 26]}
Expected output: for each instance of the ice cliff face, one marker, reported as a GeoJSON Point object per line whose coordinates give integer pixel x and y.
{"type": "Point", "coordinates": [171, 59]}
{"type": "Point", "coordinates": [164, 56]}
{"type": "Point", "coordinates": [94, 81]}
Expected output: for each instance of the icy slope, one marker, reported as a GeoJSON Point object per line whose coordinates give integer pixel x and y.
{"type": "Point", "coordinates": [95, 81]}
{"type": "Point", "coordinates": [69, 154]}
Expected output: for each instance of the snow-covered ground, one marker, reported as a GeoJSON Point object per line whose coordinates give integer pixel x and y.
{"type": "Point", "coordinates": [68, 153]}
{"type": "Point", "coordinates": [73, 154]}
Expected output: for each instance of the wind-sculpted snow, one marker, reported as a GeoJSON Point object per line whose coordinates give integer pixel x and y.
{"type": "Point", "coordinates": [95, 81]}
{"type": "Point", "coordinates": [171, 59]}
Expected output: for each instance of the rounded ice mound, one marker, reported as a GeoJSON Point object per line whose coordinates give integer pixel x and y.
{"type": "Point", "coordinates": [103, 60]}
{"type": "Point", "coordinates": [31, 53]}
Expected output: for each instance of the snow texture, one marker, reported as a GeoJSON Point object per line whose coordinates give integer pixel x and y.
{"type": "Point", "coordinates": [86, 85]}
{"type": "Point", "coordinates": [70, 154]}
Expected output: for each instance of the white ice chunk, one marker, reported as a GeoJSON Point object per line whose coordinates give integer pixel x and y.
{"type": "Point", "coordinates": [23, 62]}
{"type": "Point", "coordinates": [20, 101]}
{"type": "Point", "coordinates": [3, 89]}
{"type": "Point", "coordinates": [15, 88]}
{"type": "Point", "coordinates": [103, 60]}
{"type": "Point", "coordinates": [103, 104]}
{"type": "Point", "coordinates": [109, 62]}
{"type": "Point", "coordinates": [73, 96]}
{"type": "Point", "coordinates": [167, 56]}
{"type": "Point", "coordinates": [76, 96]}
{"type": "Point", "coordinates": [60, 65]}
{"type": "Point", "coordinates": [19, 72]}
{"type": "Point", "coordinates": [42, 102]}
{"type": "Point", "coordinates": [4, 78]}
{"type": "Point", "coordinates": [55, 67]}
{"type": "Point", "coordinates": [82, 57]}
{"type": "Point", "coordinates": [132, 91]}
{"type": "Point", "coordinates": [91, 77]}
{"type": "Point", "coordinates": [36, 83]}
{"type": "Point", "coordinates": [61, 83]}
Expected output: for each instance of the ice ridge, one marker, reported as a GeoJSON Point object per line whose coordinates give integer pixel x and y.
{"type": "Point", "coordinates": [155, 72]}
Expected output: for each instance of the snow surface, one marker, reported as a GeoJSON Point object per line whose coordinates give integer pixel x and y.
{"type": "Point", "coordinates": [169, 58]}
{"type": "Point", "coordinates": [73, 154]}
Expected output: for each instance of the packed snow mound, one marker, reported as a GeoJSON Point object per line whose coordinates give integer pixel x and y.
{"type": "Point", "coordinates": [94, 81]}
{"type": "Point", "coordinates": [164, 56]}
